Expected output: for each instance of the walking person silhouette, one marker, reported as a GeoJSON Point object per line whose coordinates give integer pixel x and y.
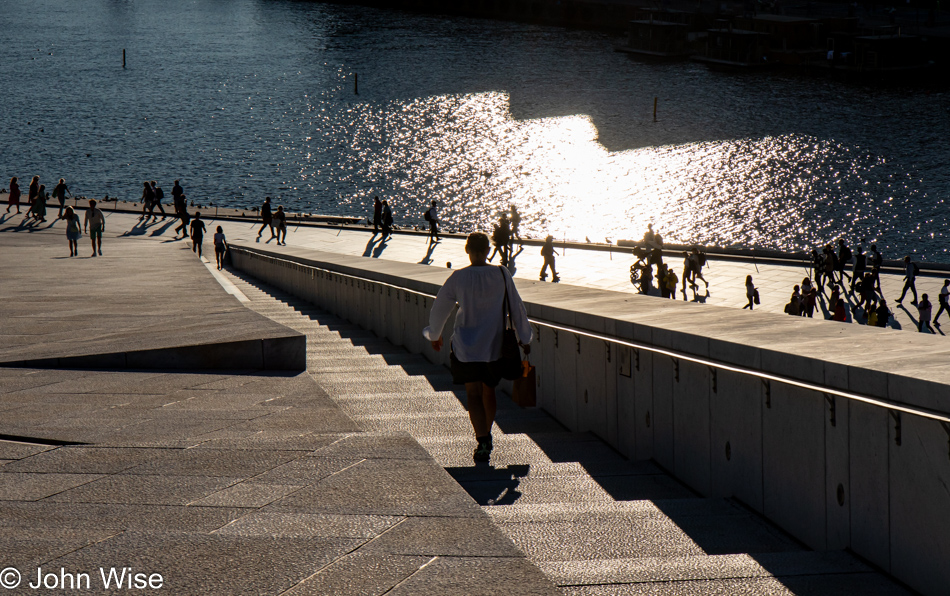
{"type": "Point", "coordinates": [480, 291]}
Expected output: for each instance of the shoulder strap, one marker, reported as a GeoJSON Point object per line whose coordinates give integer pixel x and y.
{"type": "Point", "coordinates": [506, 312]}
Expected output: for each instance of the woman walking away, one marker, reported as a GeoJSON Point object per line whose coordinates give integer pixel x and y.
{"type": "Point", "coordinates": [548, 252]}
{"type": "Point", "coordinates": [73, 231]}
{"type": "Point", "coordinates": [95, 225]}
{"type": "Point", "coordinates": [750, 293]}
{"type": "Point", "coordinates": [14, 198]}
{"type": "Point", "coordinates": [197, 233]}
{"type": "Point", "coordinates": [220, 247]}
{"type": "Point", "coordinates": [480, 291]}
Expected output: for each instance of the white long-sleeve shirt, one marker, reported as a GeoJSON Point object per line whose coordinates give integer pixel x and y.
{"type": "Point", "coordinates": [480, 295]}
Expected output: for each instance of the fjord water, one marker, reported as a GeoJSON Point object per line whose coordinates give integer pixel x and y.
{"type": "Point", "coordinates": [246, 98]}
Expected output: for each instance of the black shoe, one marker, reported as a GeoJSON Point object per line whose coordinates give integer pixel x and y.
{"type": "Point", "coordinates": [482, 453]}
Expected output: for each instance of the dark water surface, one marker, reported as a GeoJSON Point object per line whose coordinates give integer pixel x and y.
{"type": "Point", "coordinates": [242, 98]}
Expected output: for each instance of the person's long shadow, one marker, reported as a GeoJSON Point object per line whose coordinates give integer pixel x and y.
{"type": "Point", "coordinates": [369, 246]}
{"type": "Point", "coordinates": [378, 250]}
{"type": "Point", "coordinates": [512, 266]}
{"type": "Point", "coordinates": [913, 319]}
{"type": "Point", "coordinates": [138, 229]}
{"type": "Point", "coordinates": [160, 231]}
{"type": "Point", "coordinates": [427, 260]}
{"type": "Point", "coordinates": [489, 485]}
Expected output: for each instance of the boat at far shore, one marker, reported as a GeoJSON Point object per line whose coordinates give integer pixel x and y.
{"type": "Point", "coordinates": [833, 45]}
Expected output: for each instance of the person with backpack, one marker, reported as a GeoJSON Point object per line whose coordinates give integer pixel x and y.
{"type": "Point", "coordinates": [548, 252]}
{"type": "Point", "coordinates": [910, 279]}
{"type": "Point", "coordinates": [432, 216]}
{"type": "Point", "coordinates": [944, 301]}
{"type": "Point", "coordinates": [157, 195]}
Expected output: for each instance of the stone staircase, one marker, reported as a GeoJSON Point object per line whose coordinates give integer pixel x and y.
{"type": "Point", "coordinates": [593, 521]}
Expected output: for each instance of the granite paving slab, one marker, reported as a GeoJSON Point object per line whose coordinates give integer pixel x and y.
{"type": "Point", "coordinates": [198, 563]}
{"type": "Point", "coordinates": [302, 525]}
{"type": "Point", "coordinates": [24, 486]}
{"type": "Point", "coordinates": [360, 574]}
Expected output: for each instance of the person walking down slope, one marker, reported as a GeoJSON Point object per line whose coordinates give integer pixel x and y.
{"type": "Point", "coordinates": [14, 199]}
{"type": "Point", "coordinates": [197, 233]}
{"type": "Point", "coordinates": [944, 301]}
{"type": "Point", "coordinates": [267, 219]}
{"type": "Point", "coordinates": [548, 252]}
{"type": "Point", "coordinates": [480, 291]}
{"type": "Point", "coordinates": [94, 225]}
{"type": "Point", "coordinates": [220, 247]}
{"type": "Point", "coordinates": [910, 279]}
{"type": "Point", "coordinates": [73, 231]}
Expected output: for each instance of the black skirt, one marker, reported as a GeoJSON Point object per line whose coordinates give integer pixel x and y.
{"type": "Point", "coordinates": [474, 372]}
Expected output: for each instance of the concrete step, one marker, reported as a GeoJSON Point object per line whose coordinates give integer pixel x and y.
{"type": "Point", "coordinates": [594, 521]}
{"type": "Point", "coordinates": [646, 570]}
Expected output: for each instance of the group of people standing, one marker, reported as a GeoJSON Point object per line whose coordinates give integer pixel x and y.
{"type": "Point", "coordinates": [38, 198]}
{"type": "Point", "coordinates": [863, 284]}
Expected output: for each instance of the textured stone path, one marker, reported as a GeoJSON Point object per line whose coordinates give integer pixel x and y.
{"type": "Point", "coordinates": [593, 521]}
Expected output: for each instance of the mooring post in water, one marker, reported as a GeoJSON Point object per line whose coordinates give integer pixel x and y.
{"type": "Point", "coordinates": [123, 57]}
{"type": "Point", "coordinates": [356, 83]}
{"type": "Point", "coordinates": [654, 108]}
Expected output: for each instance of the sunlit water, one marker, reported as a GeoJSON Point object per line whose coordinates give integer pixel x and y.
{"type": "Point", "coordinates": [246, 98]}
